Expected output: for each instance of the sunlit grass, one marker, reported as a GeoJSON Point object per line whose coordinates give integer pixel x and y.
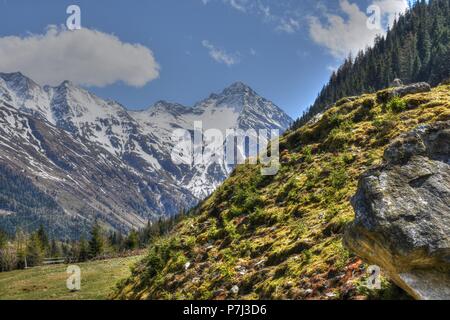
{"type": "Point", "coordinates": [98, 280]}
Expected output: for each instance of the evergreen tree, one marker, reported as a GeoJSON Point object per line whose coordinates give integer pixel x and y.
{"type": "Point", "coordinates": [3, 239]}
{"type": "Point", "coordinates": [55, 249]}
{"type": "Point", "coordinates": [416, 48]}
{"type": "Point", "coordinates": [43, 238]}
{"type": "Point", "coordinates": [84, 250]}
{"type": "Point", "coordinates": [97, 243]}
{"type": "Point", "coordinates": [35, 251]}
{"type": "Point", "coordinates": [132, 241]}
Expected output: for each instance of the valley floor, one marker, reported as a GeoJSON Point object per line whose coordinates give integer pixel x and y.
{"type": "Point", "coordinates": [98, 279]}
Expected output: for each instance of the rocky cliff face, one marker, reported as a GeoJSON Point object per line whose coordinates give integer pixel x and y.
{"type": "Point", "coordinates": [403, 213]}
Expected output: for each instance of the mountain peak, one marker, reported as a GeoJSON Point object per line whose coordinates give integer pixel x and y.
{"type": "Point", "coordinates": [11, 75]}
{"type": "Point", "coordinates": [17, 79]}
{"type": "Point", "coordinates": [237, 87]}
{"type": "Point", "coordinates": [66, 84]}
{"type": "Point", "coordinates": [170, 107]}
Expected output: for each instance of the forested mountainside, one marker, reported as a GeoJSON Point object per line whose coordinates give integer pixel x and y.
{"type": "Point", "coordinates": [416, 48]}
{"type": "Point", "coordinates": [281, 237]}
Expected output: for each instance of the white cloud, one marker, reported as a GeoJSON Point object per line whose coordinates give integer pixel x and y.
{"type": "Point", "coordinates": [240, 5]}
{"type": "Point", "coordinates": [391, 9]}
{"type": "Point", "coordinates": [86, 57]}
{"type": "Point", "coordinates": [350, 34]}
{"type": "Point", "coordinates": [288, 25]}
{"type": "Point", "coordinates": [220, 55]}
{"type": "Point", "coordinates": [286, 20]}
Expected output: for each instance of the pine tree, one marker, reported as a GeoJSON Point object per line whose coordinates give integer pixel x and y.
{"type": "Point", "coordinates": [97, 243]}
{"type": "Point", "coordinates": [84, 250]}
{"type": "Point", "coordinates": [3, 239]}
{"type": "Point", "coordinates": [35, 251]}
{"type": "Point", "coordinates": [132, 241]}
{"type": "Point", "coordinates": [43, 238]}
{"type": "Point", "coordinates": [55, 249]}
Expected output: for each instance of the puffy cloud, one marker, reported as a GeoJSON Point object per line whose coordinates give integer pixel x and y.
{"type": "Point", "coordinates": [86, 57]}
{"type": "Point", "coordinates": [342, 36]}
{"type": "Point", "coordinates": [390, 9]}
{"type": "Point", "coordinates": [220, 55]}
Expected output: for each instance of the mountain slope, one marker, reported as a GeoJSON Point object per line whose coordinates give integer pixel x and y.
{"type": "Point", "coordinates": [97, 160]}
{"type": "Point", "coordinates": [280, 237]}
{"type": "Point", "coordinates": [79, 178]}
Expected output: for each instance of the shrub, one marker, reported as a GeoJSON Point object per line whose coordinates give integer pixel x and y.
{"type": "Point", "coordinates": [396, 105]}
{"type": "Point", "coordinates": [338, 178]}
{"type": "Point", "coordinates": [364, 111]}
{"type": "Point", "coordinates": [384, 95]}
{"type": "Point", "coordinates": [307, 154]}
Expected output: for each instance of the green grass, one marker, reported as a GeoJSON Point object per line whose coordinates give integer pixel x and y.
{"type": "Point", "coordinates": [285, 231]}
{"type": "Point", "coordinates": [98, 280]}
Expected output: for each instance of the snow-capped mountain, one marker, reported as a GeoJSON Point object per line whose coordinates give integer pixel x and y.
{"type": "Point", "coordinates": [92, 158]}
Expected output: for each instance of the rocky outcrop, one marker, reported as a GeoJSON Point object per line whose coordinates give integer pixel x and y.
{"type": "Point", "coordinates": [401, 91]}
{"type": "Point", "coordinates": [397, 83]}
{"type": "Point", "coordinates": [402, 210]}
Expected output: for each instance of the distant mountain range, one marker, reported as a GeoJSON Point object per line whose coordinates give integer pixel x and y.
{"type": "Point", "coordinates": [68, 157]}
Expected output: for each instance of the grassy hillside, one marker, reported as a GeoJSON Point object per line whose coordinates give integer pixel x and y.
{"type": "Point", "coordinates": [98, 279]}
{"type": "Point", "coordinates": [280, 237]}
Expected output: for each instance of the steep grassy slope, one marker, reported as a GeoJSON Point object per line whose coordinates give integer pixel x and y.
{"type": "Point", "coordinates": [280, 237]}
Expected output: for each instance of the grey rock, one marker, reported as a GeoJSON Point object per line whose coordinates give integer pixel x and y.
{"type": "Point", "coordinates": [385, 95]}
{"type": "Point", "coordinates": [397, 83]}
{"type": "Point", "coordinates": [402, 210]}
{"type": "Point", "coordinates": [411, 89]}
{"type": "Point", "coordinates": [234, 290]}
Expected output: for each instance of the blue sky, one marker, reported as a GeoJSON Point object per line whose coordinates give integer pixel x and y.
{"type": "Point", "coordinates": [187, 49]}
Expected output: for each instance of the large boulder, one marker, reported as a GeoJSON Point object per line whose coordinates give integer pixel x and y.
{"type": "Point", "coordinates": [402, 210]}
{"type": "Point", "coordinates": [401, 91]}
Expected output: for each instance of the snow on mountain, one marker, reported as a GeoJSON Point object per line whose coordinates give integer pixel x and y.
{"type": "Point", "coordinates": [138, 144]}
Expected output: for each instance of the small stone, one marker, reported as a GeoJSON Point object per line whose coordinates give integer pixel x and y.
{"type": "Point", "coordinates": [234, 290]}
{"type": "Point", "coordinates": [241, 270]}
{"type": "Point", "coordinates": [196, 280]}
{"type": "Point", "coordinates": [260, 263]}
{"type": "Point", "coordinates": [397, 83]}
{"type": "Point", "coordinates": [187, 265]}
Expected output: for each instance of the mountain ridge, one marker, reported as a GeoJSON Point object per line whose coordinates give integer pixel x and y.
{"type": "Point", "coordinates": [138, 142]}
